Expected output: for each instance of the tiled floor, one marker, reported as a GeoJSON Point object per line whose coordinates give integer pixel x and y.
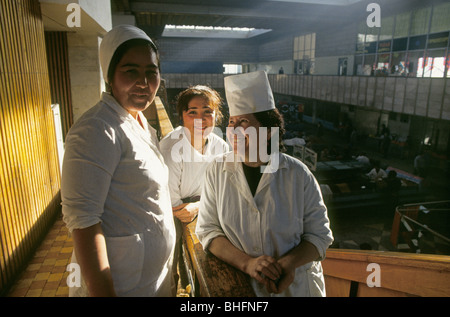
{"type": "Point", "coordinates": [46, 274]}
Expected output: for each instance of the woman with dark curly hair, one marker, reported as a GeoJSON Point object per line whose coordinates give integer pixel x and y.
{"type": "Point", "coordinates": [264, 216]}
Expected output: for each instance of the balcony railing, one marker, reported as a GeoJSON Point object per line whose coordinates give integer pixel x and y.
{"type": "Point", "coordinates": [428, 97]}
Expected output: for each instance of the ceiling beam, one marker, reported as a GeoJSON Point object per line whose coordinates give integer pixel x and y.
{"type": "Point", "coordinates": [264, 10]}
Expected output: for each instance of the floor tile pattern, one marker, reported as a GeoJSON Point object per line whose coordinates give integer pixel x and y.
{"type": "Point", "coordinates": [46, 273]}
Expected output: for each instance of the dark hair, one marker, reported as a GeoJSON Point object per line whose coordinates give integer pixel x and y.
{"type": "Point", "coordinates": [120, 52]}
{"type": "Point", "coordinates": [272, 119]}
{"type": "Point", "coordinates": [209, 94]}
{"type": "Point", "coordinates": [392, 174]}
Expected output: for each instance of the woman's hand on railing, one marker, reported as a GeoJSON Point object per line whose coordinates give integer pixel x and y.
{"type": "Point", "coordinates": [186, 212]}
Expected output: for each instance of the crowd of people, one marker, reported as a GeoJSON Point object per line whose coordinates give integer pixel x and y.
{"type": "Point", "coordinates": [345, 144]}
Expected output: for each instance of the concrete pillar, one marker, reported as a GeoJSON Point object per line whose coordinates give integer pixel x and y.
{"type": "Point", "coordinates": [85, 71]}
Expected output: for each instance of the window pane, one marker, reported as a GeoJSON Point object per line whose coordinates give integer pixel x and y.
{"type": "Point", "coordinates": [438, 40]}
{"type": "Point", "coordinates": [427, 66]}
{"type": "Point", "coordinates": [308, 42]}
{"type": "Point", "coordinates": [362, 30]}
{"type": "Point", "coordinates": [415, 63]}
{"type": "Point", "coordinates": [399, 64]}
{"type": "Point", "coordinates": [441, 18]}
{"type": "Point", "coordinates": [417, 42]}
{"type": "Point", "coordinates": [402, 25]}
{"type": "Point", "coordinates": [369, 62]}
{"type": "Point", "coordinates": [447, 65]}
{"type": "Point", "coordinates": [420, 21]}
{"type": "Point", "coordinates": [400, 44]}
{"type": "Point", "coordinates": [358, 69]}
{"type": "Point", "coordinates": [372, 34]}
{"type": "Point", "coordinates": [438, 70]}
{"type": "Point", "coordinates": [232, 69]}
{"type": "Point", "coordinates": [437, 61]}
{"type": "Point", "coordinates": [312, 65]}
{"type": "Point", "coordinates": [387, 25]}
{"type": "Point", "coordinates": [360, 37]}
{"type": "Point", "coordinates": [383, 67]}
{"type": "Point", "coordinates": [301, 43]}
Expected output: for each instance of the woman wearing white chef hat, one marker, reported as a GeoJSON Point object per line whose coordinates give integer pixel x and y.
{"type": "Point", "coordinates": [115, 195]}
{"type": "Point", "coordinates": [271, 222]}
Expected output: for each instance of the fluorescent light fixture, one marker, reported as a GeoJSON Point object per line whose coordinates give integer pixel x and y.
{"type": "Point", "coordinates": [211, 31]}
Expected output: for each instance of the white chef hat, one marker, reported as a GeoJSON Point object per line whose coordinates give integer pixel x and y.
{"type": "Point", "coordinates": [248, 93]}
{"type": "Point", "coordinates": [113, 39]}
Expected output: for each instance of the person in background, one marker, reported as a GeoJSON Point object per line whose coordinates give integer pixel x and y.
{"type": "Point", "coordinates": [364, 160]}
{"type": "Point", "coordinates": [187, 150]}
{"type": "Point", "coordinates": [115, 193]}
{"type": "Point", "coordinates": [420, 164]}
{"type": "Point", "coordinates": [376, 176]}
{"type": "Point", "coordinates": [393, 185]}
{"type": "Point", "coordinates": [267, 219]}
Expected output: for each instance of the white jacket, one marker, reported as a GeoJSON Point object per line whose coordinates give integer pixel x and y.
{"type": "Point", "coordinates": [114, 174]}
{"type": "Point", "coordinates": [286, 209]}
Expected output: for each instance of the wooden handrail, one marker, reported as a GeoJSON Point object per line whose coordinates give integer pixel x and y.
{"type": "Point", "coordinates": [165, 125]}
{"type": "Point", "coordinates": [401, 274]}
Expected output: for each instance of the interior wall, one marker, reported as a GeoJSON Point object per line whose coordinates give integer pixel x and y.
{"type": "Point", "coordinates": [29, 166]}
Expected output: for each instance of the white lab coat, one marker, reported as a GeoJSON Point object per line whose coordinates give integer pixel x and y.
{"type": "Point", "coordinates": [287, 208]}
{"type": "Point", "coordinates": [375, 175]}
{"type": "Point", "coordinates": [114, 174]}
{"type": "Point", "coordinates": [186, 165]}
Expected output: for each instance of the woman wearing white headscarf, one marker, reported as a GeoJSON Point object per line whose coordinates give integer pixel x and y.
{"type": "Point", "coordinates": [115, 195]}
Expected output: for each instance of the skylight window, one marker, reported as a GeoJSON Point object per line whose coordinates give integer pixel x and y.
{"type": "Point", "coordinates": [328, 2]}
{"type": "Point", "coordinates": [211, 31]}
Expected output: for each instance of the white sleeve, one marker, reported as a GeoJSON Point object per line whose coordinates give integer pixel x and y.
{"type": "Point", "coordinates": [92, 152]}
{"type": "Point", "coordinates": [208, 225]}
{"type": "Point", "coordinates": [175, 171]}
{"type": "Point", "coordinates": [316, 223]}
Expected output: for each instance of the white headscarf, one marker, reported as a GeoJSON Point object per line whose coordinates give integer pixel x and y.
{"type": "Point", "coordinates": [113, 39]}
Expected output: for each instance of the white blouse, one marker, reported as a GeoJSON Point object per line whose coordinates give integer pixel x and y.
{"type": "Point", "coordinates": [186, 165]}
